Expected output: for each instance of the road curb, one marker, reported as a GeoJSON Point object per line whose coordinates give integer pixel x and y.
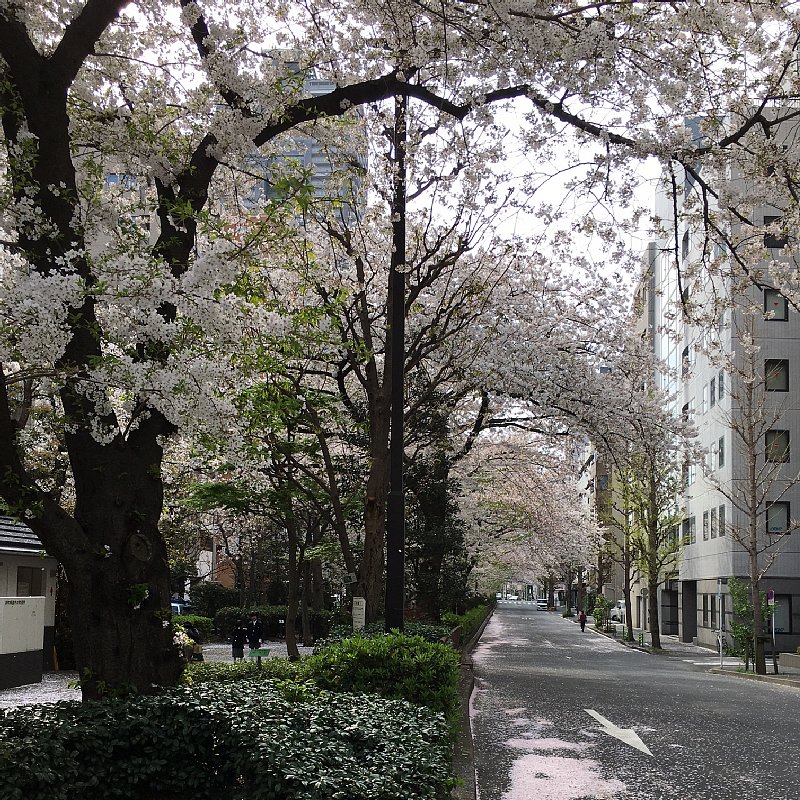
{"type": "Point", "coordinates": [793, 683]}
{"type": "Point", "coordinates": [464, 750]}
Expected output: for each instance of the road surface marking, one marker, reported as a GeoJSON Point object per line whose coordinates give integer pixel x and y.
{"type": "Point", "coordinates": [625, 735]}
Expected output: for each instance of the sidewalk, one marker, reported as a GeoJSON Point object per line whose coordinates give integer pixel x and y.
{"type": "Point", "coordinates": [672, 646]}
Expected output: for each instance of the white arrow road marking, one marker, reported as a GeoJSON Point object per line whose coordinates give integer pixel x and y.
{"type": "Point", "coordinates": [626, 735]}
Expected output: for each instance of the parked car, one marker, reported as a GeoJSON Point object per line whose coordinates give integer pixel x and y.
{"type": "Point", "coordinates": [616, 613]}
{"type": "Point", "coordinates": [180, 607]}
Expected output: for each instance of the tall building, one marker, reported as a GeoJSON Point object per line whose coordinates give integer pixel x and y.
{"type": "Point", "coordinates": [736, 377]}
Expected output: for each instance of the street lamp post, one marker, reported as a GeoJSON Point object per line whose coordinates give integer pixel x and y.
{"type": "Point", "coordinates": [395, 511]}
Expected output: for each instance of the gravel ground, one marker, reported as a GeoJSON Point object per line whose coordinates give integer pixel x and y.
{"type": "Point", "coordinates": [55, 685]}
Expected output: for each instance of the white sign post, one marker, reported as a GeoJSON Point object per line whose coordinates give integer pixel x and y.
{"type": "Point", "coordinates": [359, 613]}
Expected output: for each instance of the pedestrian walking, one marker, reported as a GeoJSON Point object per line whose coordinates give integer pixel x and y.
{"type": "Point", "coordinates": [238, 639]}
{"type": "Point", "coordinates": [582, 620]}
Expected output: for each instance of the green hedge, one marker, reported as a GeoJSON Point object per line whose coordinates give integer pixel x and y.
{"type": "Point", "coordinates": [225, 621]}
{"type": "Point", "coordinates": [469, 622]}
{"type": "Point", "coordinates": [228, 741]}
{"type": "Point", "coordinates": [393, 666]}
{"type": "Point", "coordinates": [430, 631]}
{"type": "Point", "coordinates": [203, 624]}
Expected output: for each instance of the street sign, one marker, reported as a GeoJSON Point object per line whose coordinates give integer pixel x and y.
{"type": "Point", "coordinates": [359, 613]}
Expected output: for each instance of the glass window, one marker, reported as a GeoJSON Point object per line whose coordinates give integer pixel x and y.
{"type": "Point", "coordinates": [29, 582]}
{"type": "Point", "coordinates": [705, 526]}
{"type": "Point", "coordinates": [692, 530]}
{"type": "Point", "coordinates": [776, 309]}
{"type": "Point", "coordinates": [721, 452]}
{"type": "Point", "coordinates": [721, 385]}
{"type": "Point", "coordinates": [776, 446]}
{"type": "Point", "coordinates": [783, 613]}
{"type": "Point", "coordinates": [706, 610]}
{"type": "Point", "coordinates": [705, 400]}
{"type": "Point", "coordinates": [712, 387]}
{"type": "Point", "coordinates": [776, 374]}
{"type": "Point", "coordinates": [721, 520]}
{"type": "Point", "coordinates": [777, 517]}
{"type": "Point", "coordinates": [777, 240]}
{"type": "Point", "coordinates": [713, 523]}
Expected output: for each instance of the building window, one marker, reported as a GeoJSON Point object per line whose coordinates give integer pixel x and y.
{"type": "Point", "coordinates": [721, 452]}
{"type": "Point", "coordinates": [707, 605]}
{"type": "Point", "coordinates": [721, 520]}
{"type": "Point", "coordinates": [712, 392]}
{"type": "Point", "coordinates": [776, 241]}
{"type": "Point", "coordinates": [776, 374]}
{"type": "Point", "coordinates": [705, 400]}
{"type": "Point", "coordinates": [776, 446]}
{"type": "Point", "coordinates": [705, 526]}
{"type": "Point", "coordinates": [685, 244]}
{"type": "Point", "coordinates": [713, 599]}
{"type": "Point", "coordinates": [778, 517]}
{"type": "Point", "coordinates": [776, 309]}
{"type": "Point", "coordinates": [783, 613]}
{"type": "Point", "coordinates": [721, 385]}
{"type": "Point", "coordinates": [29, 582]}
{"type": "Point", "coordinates": [713, 523]}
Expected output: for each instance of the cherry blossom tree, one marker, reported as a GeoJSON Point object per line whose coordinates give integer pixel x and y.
{"type": "Point", "coordinates": [117, 115]}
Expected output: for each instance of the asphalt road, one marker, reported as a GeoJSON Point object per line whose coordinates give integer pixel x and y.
{"type": "Point", "coordinates": [711, 737]}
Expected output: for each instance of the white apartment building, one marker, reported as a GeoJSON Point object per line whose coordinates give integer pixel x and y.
{"type": "Point", "coordinates": [708, 390]}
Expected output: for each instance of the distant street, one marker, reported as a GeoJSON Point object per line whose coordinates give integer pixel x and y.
{"type": "Point", "coordinates": [561, 715]}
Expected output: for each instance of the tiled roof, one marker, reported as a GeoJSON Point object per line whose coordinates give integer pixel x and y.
{"type": "Point", "coordinates": [14, 535]}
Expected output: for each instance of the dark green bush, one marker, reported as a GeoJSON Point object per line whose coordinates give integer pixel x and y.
{"type": "Point", "coordinates": [228, 741]}
{"type": "Point", "coordinates": [203, 624]}
{"type": "Point", "coordinates": [271, 616]}
{"type": "Point", "coordinates": [394, 666]}
{"type": "Point", "coordinates": [208, 598]}
{"type": "Point", "coordinates": [469, 622]}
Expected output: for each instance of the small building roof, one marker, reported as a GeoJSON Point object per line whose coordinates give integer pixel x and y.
{"type": "Point", "coordinates": [17, 537]}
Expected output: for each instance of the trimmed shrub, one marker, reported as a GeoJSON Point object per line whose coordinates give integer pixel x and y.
{"type": "Point", "coordinates": [430, 631]}
{"type": "Point", "coordinates": [273, 618]}
{"type": "Point", "coordinates": [202, 673]}
{"type": "Point", "coordinates": [469, 622]}
{"type": "Point", "coordinates": [204, 625]}
{"type": "Point", "coordinates": [225, 742]}
{"type": "Point", "coordinates": [208, 598]}
{"type": "Point", "coordinates": [395, 666]}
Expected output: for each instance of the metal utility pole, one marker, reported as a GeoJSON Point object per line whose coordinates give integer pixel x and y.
{"type": "Point", "coordinates": [395, 510]}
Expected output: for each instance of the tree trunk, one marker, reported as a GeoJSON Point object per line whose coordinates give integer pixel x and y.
{"type": "Point", "coordinates": [292, 604]}
{"type": "Point", "coordinates": [652, 612]}
{"type": "Point", "coordinates": [759, 659]}
{"type": "Point", "coordinates": [116, 562]}
{"type": "Point", "coordinates": [308, 638]}
{"type": "Point", "coordinates": [370, 577]}
{"type": "Point", "coordinates": [626, 591]}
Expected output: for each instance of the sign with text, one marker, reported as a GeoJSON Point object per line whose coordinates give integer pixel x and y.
{"type": "Point", "coordinates": [359, 613]}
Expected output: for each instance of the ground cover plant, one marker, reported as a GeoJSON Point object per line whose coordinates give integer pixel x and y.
{"type": "Point", "coordinates": [365, 718]}
{"type": "Point", "coordinates": [248, 738]}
